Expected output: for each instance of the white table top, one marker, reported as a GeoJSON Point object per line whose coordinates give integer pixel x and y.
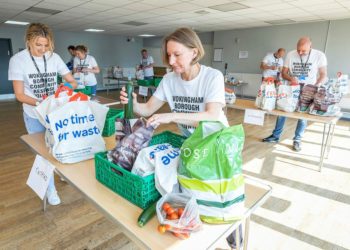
{"type": "Point", "coordinates": [250, 104]}
{"type": "Point", "coordinates": [82, 176]}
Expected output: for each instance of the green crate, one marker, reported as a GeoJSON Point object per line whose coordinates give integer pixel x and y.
{"type": "Point", "coordinates": [140, 191]}
{"type": "Point", "coordinates": [145, 82]}
{"type": "Point", "coordinates": [87, 90]}
{"type": "Point", "coordinates": [109, 127]}
{"type": "Point", "coordinates": [157, 81]}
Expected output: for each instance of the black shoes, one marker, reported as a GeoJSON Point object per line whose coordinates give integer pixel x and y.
{"type": "Point", "coordinates": [296, 146]}
{"type": "Point", "coordinates": [271, 139]}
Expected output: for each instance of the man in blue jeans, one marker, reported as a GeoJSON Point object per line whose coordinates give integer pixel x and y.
{"type": "Point", "coordinates": [304, 65]}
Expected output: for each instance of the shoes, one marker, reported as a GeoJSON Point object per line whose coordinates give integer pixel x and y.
{"type": "Point", "coordinates": [271, 139]}
{"type": "Point", "coordinates": [296, 146]}
{"type": "Point", "coordinates": [231, 239]}
{"type": "Point", "coordinates": [53, 198]}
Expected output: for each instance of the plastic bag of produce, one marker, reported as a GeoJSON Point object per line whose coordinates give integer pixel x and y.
{"type": "Point", "coordinates": [288, 97]}
{"type": "Point", "coordinates": [307, 95]}
{"type": "Point", "coordinates": [179, 214]}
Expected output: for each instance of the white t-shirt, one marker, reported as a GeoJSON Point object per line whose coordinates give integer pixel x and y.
{"type": "Point", "coordinates": [192, 96]}
{"type": "Point", "coordinates": [305, 67]}
{"type": "Point", "coordinates": [88, 78]}
{"type": "Point", "coordinates": [22, 68]}
{"type": "Point", "coordinates": [271, 60]}
{"type": "Point", "coordinates": [145, 62]}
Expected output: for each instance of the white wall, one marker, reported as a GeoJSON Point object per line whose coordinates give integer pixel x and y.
{"type": "Point", "coordinates": [107, 49]}
{"type": "Point", "coordinates": [259, 41]}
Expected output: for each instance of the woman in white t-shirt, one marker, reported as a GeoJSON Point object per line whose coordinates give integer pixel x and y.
{"type": "Point", "coordinates": [194, 92]}
{"type": "Point", "coordinates": [34, 74]}
{"type": "Point", "coordinates": [86, 67]}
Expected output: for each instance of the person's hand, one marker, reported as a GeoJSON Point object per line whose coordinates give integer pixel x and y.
{"type": "Point", "coordinates": [124, 97]}
{"type": "Point", "coordinates": [294, 81]}
{"type": "Point", "coordinates": [273, 67]}
{"type": "Point", "coordinates": [157, 119]}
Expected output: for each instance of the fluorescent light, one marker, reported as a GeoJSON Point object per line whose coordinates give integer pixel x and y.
{"type": "Point", "coordinates": [94, 30]}
{"type": "Point", "coordinates": [147, 35]}
{"type": "Point", "coordinates": [16, 22]}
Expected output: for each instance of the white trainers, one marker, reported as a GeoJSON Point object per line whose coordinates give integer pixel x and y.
{"type": "Point", "coordinates": [53, 198]}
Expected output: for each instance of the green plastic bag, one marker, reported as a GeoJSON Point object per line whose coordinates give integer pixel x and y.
{"type": "Point", "coordinates": [211, 170]}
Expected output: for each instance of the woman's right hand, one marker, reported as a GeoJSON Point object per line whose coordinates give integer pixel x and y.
{"type": "Point", "coordinates": [124, 96]}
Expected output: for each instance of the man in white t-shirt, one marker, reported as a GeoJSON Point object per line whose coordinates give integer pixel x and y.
{"type": "Point", "coordinates": [147, 65]}
{"type": "Point", "coordinates": [304, 65]}
{"type": "Point", "coordinates": [272, 64]}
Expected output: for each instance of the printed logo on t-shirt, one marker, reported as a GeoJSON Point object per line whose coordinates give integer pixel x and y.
{"type": "Point", "coordinates": [82, 66]}
{"type": "Point", "coordinates": [37, 83]}
{"type": "Point", "coordinates": [301, 69]}
{"type": "Point", "coordinates": [187, 104]}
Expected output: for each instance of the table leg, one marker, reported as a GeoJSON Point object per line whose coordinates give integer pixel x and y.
{"type": "Point", "coordinates": [325, 139]}
{"type": "Point", "coordinates": [238, 239]}
{"type": "Point", "coordinates": [246, 233]}
{"type": "Point", "coordinates": [330, 141]}
{"type": "Point", "coordinates": [45, 202]}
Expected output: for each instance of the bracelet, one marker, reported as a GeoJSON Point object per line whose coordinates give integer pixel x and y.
{"type": "Point", "coordinates": [67, 84]}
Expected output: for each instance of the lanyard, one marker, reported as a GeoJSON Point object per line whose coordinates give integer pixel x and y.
{"type": "Point", "coordinates": [82, 65]}
{"type": "Point", "coordinates": [303, 66]}
{"type": "Point", "coordinates": [42, 77]}
{"type": "Point", "coordinates": [276, 60]}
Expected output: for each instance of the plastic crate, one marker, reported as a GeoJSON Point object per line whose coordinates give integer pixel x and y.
{"type": "Point", "coordinates": [87, 90]}
{"type": "Point", "coordinates": [109, 127]}
{"type": "Point", "coordinates": [145, 82]}
{"type": "Point", "coordinates": [157, 81]}
{"type": "Point", "coordinates": [140, 191]}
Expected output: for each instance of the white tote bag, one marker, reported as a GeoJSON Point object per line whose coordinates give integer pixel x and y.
{"type": "Point", "coordinates": [53, 102]}
{"type": "Point", "coordinates": [77, 129]}
{"type": "Point", "coordinates": [288, 97]}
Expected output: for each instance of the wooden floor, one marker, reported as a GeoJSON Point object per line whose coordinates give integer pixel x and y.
{"type": "Point", "coordinates": [307, 210]}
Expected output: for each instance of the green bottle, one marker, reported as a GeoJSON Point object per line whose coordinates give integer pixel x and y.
{"type": "Point", "coordinates": [128, 108]}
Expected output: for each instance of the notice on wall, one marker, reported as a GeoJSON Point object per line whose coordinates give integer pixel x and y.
{"type": "Point", "coordinates": [243, 54]}
{"type": "Point", "coordinates": [143, 91]}
{"type": "Point", "coordinates": [40, 176]}
{"type": "Point", "coordinates": [254, 116]}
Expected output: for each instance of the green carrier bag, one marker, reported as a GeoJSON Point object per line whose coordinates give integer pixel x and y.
{"type": "Point", "coordinates": [211, 170]}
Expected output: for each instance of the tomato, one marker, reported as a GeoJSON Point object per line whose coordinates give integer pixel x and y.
{"type": "Point", "coordinates": [174, 216]}
{"type": "Point", "coordinates": [161, 229]}
{"type": "Point", "coordinates": [180, 211]}
{"type": "Point", "coordinates": [166, 206]}
{"type": "Point", "coordinates": [167, 226]}
{"type": "Point", "coordinates": [170, 211]}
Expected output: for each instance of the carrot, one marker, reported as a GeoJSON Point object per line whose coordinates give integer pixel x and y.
{"type": "Point", "coordinates": [182, 236]}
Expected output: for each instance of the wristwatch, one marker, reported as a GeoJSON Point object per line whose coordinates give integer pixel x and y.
{"type": "Point", "coordinates": [37, 103]}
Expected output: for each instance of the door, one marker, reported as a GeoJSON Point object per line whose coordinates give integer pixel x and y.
{"type": "Point", "coordinates": [5, 55]}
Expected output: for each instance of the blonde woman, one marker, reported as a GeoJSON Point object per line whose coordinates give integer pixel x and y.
{"type": "Point", "coordinates": [86, 66]}
{"type": "Point", "coordinates": [193, 91]}
{"type": "Point", "coordinates": [33, 72]}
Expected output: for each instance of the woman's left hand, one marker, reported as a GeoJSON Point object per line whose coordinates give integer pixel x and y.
{"type": "Point", "coordinates": [157, 119]}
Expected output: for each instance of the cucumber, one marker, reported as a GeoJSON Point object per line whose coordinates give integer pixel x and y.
{"type": "Point", "coordinates": [147, 214]}
{"type": "Point", "coordinates": [128, 108]}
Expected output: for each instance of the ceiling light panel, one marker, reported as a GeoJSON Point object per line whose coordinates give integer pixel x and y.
{"type": "Point", "coordinates": [134, 23]}
{"type": "Point", "coordinates": [184, 7]}
{"type": "Point", "coordinates": [280, 21]}
{"type": "Point", "coordinates": [229, 7]}
{"type": "Point", "coordinates": [43, 10]}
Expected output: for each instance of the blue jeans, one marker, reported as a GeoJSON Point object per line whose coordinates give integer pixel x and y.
{"type": "Point", "coordinates": [299, 131]}
{"type": "Point", "coordinates": [34, 126]}
{"type": "Point", "coordinates": [148, 78]}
